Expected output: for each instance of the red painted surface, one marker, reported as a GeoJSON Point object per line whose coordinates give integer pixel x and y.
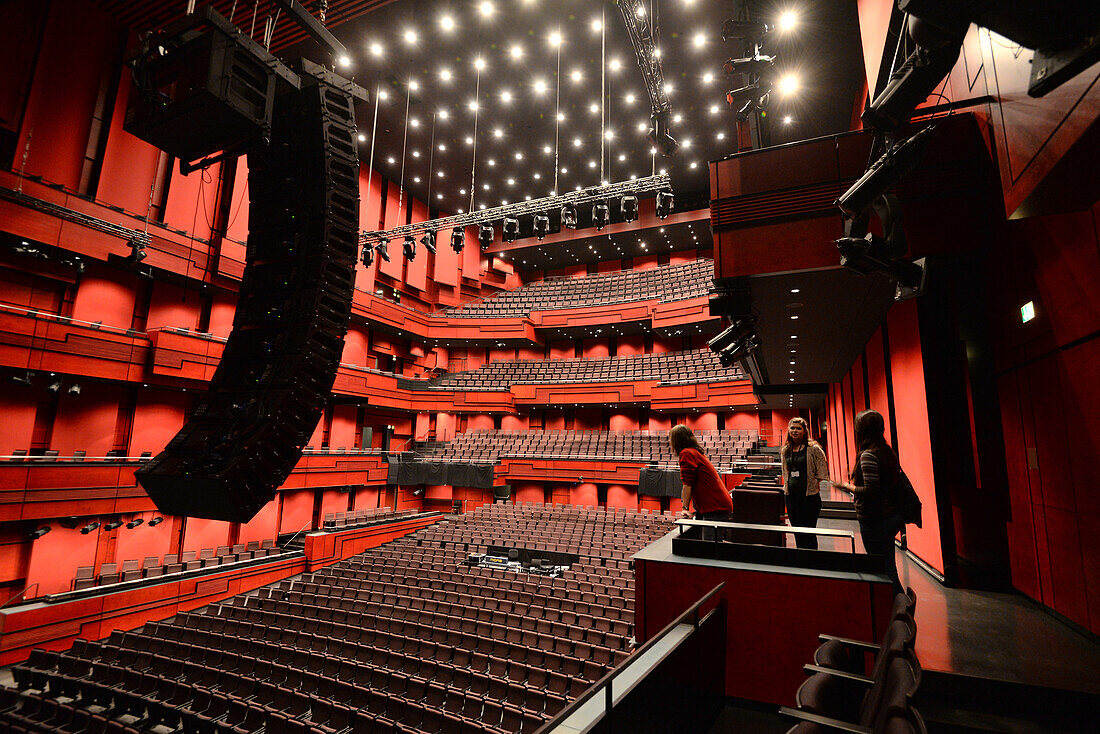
{"type": "Point", "coordinates": [55, 557]}
{"type": "Point", "coordinates": [158, 415]}
{"type": "Point", "coordinates": [765, 660]}
{"type": "Point", "coordinates": [18, 405]}
{"type": "Point", "coordinates": [86, 421]}
{"type": "Point", "coordinates": [584, 495]}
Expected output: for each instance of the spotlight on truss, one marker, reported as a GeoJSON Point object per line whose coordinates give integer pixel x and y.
{"type": "Point", "coordinates": [628, 205]}
{"type": "Point", "coordinates": [665, 201]}
{"type": "Point", "coordinates": [510, 230]}
{"type": "Point", "coordinates": [569, 216]}
{"type": "Point", "coordinates": [542, 225]}
{"type": "Point", "coordinates": [428, 240]}
{"type": "Point", "coordinates": [382, 248]}
{"type": "Point", "coordinates": [485, 236]}
{"type": "Point", "coordinates": [458, 239]}
{"type": "Point", "coordinates": [410, 247]}
{"type": "Point", "coordinates": [601, 215]}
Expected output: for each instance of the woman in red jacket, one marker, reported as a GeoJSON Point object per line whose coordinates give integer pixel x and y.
{"type": "Point", "coordinates": [702, 485]}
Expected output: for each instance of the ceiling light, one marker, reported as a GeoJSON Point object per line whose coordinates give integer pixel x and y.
{"type": "Point", "coordinates": [410, 36]}
{"type": "Point", "coordinates": [485, 235]}
{"type": "Point", "coordinates": [622, 156]}
{"type": "Point", "coordinates": [445, 74]}
{"type": "Point", "coordinates": [539, 86]}
{"type": "Point", "coordinates": [443, 115]}
{"type": "Point", "coordinates": [506, 96]}
{"type": "Point", "coordinates": [561, 117]}
{"type": "Point", "coordinates": [721, 136]}
{"type": "Point", "coordinates": [362, 138]}
{"type": "Point", "coordinates": [428, 240]}
{"type": "Point", "coordinates": [787, 119]}
{"type": "Point", "coordinates": [486, 9]}
{"type": "Point", "coordinates": [708, 78]}
{"type": "Point", "coordinates": [615, 65]}
{"type": "Point", "coordinates": [629, 99]}
{"type": "Point", "coordinates": [665, 202]}
{"type": "Point", "coordinates": [547, 149]}
{"type": "Point", "coordinates": [594, 108]}
{"type": "Point", "coordinates": [699, 40]}
{"type": "Point", "coordinates": [498, 133]}
{"type": "Point", "coordinates": [714, 109]}
{"type": "Point", "coordinates": [447, 23]}
{"type": "Point", "coordinates": [414, 122]}
{"type": "Point", "coordinates": [516, 51]}
{"type": "Point", "coordinates": [787, 21]}
{"type": "Point", "coordinates": [479, 63]}
{"type": "Point", "coordinates": [542, 225]}
{"type": "Point", "coordinates": [382, 94]}
{"type": "Point", "coordinates": [788, 84]}
{"type": "Point", "coordinates": [609, 134]}
{"type": "Point", "coordinates": [569, 215]}
{"type": "Point", "coordinates": [555, 39]}
{"type": "Point", "coordinates": [576, 75]}
{"type": "Point", "coordinates": [601, 215]}
{"type": "Point", "coordinates": [376, 50]}
{"type": "Point", "coordinates": [382, 248]}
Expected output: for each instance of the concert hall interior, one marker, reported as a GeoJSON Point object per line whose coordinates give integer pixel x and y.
{"type": "Point", "coordinates": [275, 273]}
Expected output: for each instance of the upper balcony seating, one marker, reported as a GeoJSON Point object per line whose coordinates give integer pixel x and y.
{"type": "Point", "coordinates": [404, 637]}
{"type": "Point", "coordinates": [697, 365]}
{"type": "Point", "coordinates": [153, 566]}
{"type": "Point", "coordinates": [485, 446]}
{"type": "Point", "coordinates": [665, 283]}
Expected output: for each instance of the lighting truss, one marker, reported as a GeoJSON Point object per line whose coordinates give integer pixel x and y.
{"type": "Point", "coordinates": [592, 195]}
{"type": "Point", "coordinates": [640, 30]}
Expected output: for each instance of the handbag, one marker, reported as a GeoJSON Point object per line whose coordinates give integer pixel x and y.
{"type": "Point", "coordinates": [908, 500]}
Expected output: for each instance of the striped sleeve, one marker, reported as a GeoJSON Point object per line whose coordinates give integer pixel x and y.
{"type": "Point", "coordinates": [868, 466]}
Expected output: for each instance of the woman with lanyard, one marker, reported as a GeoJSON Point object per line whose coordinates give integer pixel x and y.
{"type": "Point", "coordinates": [804, 468]}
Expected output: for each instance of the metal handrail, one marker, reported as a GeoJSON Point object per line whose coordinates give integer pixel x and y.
{"type": "Point", "coordinates": [605, 682]}
{"type": "Point", "coordinates": [19, 594]}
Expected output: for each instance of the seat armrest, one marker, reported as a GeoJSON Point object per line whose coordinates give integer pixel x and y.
{"type": "Point", "coordinates": [823, 721]}
{"type": "Point", "coordinates": [811, 669]}
{"type": "Point", "coordinates": [859, 644]}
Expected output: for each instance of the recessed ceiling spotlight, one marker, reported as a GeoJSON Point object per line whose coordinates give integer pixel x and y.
{"type": "Point", "coordinates": [594, 108]}
{"type": "Point", "coordinates": [410, 36]}
{"type": "Point", "coordinates": [376, 49]}
{"type": "Point", "coordinates": [699, 40]}
{"type": "Point", "coordinates": [442, 115]}
{"type": "Point", "coordinates": [516, 51]}
{"type": "Point", "coordinates": [479, 63]}
{"type": "Point", "coordinates": [708, 78]}
{"type": "Point", "coordinates": [505, 96]}
{"type": "Point", "coordinates": [539, 86]}
{"type": "Point", "coordinates": [447, 23]}
{"type": "Point", "coordinates": [576, 75]}
{"type": "Point", "coordinates": [445, 74]}
{"type": "Point", "coordinates": [721, 136]}
{"type": "Point", "coordinates": [561, 117]}
{"type": "Point", "coordinates": [362, 138]}
{"type": "Point", "coordinates": [555, 39]}
{"type": "Point", "coordinates": [486, 9]}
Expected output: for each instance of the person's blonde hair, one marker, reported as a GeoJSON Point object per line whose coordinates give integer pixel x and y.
{"type": "Point", "coordinates": [681, 437]}
{"type": "Point", "coordinates": [788, 446]}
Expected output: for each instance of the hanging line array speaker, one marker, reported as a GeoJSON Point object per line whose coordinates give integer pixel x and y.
{"type": "Point", "coordinates": [247, 432]}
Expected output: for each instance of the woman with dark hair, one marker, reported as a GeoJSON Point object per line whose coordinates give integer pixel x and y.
{"type": "Point", "coordinates": [877, 479]}
{"type": "Point", "coordinates": [702, 485]}
{"type": "Point", "coordinates": [804, 467]}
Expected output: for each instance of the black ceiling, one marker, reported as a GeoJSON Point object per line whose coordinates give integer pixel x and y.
{"type": "Point", "coordinates": [425, 41]}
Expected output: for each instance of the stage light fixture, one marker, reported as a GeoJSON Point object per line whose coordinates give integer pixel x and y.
{"type": "Point", "coordinates": [367, 257]}
{"type": "Point", "coordinates": [458, 239]}
{"type": "Point", "coordinates": [40, 532]}
{"type": "Point", "coordinates": [89, 528]}
{"type": "Point", "coordinates": [569, 216]}
{"type": "Point", "coordinates": [510, 230]}
{"type": "Point", "coordinates": [428, 240]}
{"type": "Point", "coordinates": [628, 207]}
{"type": "Point", "coordinates": [542, 225]}
{"type": "Point", "coordinates": [601, 215]}
{"type": "Point", "coordinates": [382, 248]}
{"type": "Point", "coordinates": [54, 385]}
{"type": "Point", "coordinates": [659, 136]}
{"type": "Point", "coordinates": [74, 390]}
{"type": "Point", "coordinates": [113, 525]}
{"type": "Point", "coordinates": [884, 174]}
{"type": "Point", "coordinates": [23, 379]}
{"type": "Point", "coordinates": [485, 236]}
{"type": "Point", "coordinates": [910, 85]}
{"type": "Point", "coordinates": [69, 523]}
{"type": "Point", "coordinates": [137, 251]}
{"type": "Point", "coordinates": [155, 521]}
{"type": "Point", "coordinates": [753, 65]}
{"type": "Point", "coordinates": [134, 523]}
{"type": "Point", "coordinates": [410, 247]}
{"type": "Point", "coordinates": [665, 201]}
{"type": "Point", "coordinates": [749, 93]}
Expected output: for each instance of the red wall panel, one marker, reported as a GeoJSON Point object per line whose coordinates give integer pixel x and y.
{"type": "Point", "coordinates": [75, 54]}
{"type": "Point", "coordinates": [173, 307]}
{"type": "Point", "coordinates": [914, 443]}
{"type": "Point", "coordinates": [222, 308]}
{"type": "Point", "coordinates": [192, 201]}
{"type": "Point", "coordinates": [344, 419]}
{"type": "Point", "coordinates": [622, 496]}
{"type": "Point", "coordinates": [18, 406]}
{"type": "Point", "coordinates": [158, 416]}
{"type": "Point", "coordinates": [416, 270]}
{"type": "Point", "coordinates": [106, 295]}
{"type": "Point", "coordinates": [584, 495]}
{"type": "Point", "coordinates": [129, 165]}
{"type": "Point", "coordinates": [237, 226]}
{"type": "Point", "coordinates": [86, 421]}
{"type": "Point", "coordinates": [199, 533]}
{"type": "Point", "coordinates": [55, 557]}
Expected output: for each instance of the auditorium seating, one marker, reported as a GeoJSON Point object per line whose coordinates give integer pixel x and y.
{"type": "Point", "coordinates": [665, 283]}
{"type": "Point", "coordinates": [153, 566]}
{"type": "Point", "coordinates": [342, 520]}
{"type": "Point", "coordinates": [842, 687]}
{"type": "Point", "coordinates": [698, 365]}
{"type": "Point", "coordinates": [488, 446]}
{"type": "Point", "coordinates": [403, 638]}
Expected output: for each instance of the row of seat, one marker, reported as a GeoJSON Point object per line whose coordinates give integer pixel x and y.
{"type": "Point", "coordinates": [404, 637]}
{"type": "Point", "coordinates": [350, 519]}
{"type": "Point", "coordinates": [154, 566]}
{"type": "Point", "coordinates": [664, 283]}
{"type": "Point", "coordinates": [697, 365]}
{"type": "Point", "coordinates": [860, 684]}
